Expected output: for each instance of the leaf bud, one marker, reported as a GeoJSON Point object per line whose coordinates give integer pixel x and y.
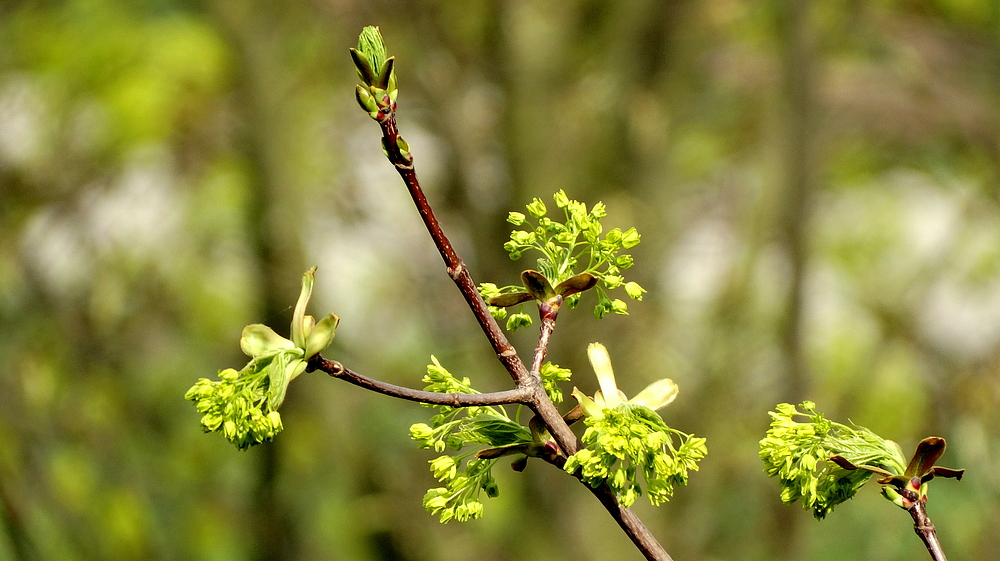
{"type": "Point", "coordinates": [366, 101]}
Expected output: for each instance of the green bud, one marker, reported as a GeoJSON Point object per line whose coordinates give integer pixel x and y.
{"type": "Point", "coordinates": [516, 321]}
{"type": "Point", "coordinates": [444, 468]}
{"type": "Point", "coordinates": [421, 432]}
{"type": "Point", "coordinates": [488, 290]}
{"type": "Point", "coordinates": [516, 218]}
{"type": "Point", "coordinates": [366, 101]}
{"type": "Point", "coordinates": [630, 238]}
{"type": "Point", "coordinates": [522, 238]}
{"type": "Point", "coordinates": [275, 419]}
{"type": "Point", "coordinates": [619, 307]}
{"type": "Point", "coordinates": [599, 211]}
{"type": "Point", "coordinates": [536, 208]}
{"type": "Point", "coordinates": [634, 291]}
{"type": "Point", "coordinates": [614, 237]}
{"type": "Point", "coordinates": [404, 149]}
{"type": "Point", "coordinates": [561, 199]}
{"type": "Point", "coordinates": [602, 308]}
{"type": "Point", "coordinates": [612, 281]}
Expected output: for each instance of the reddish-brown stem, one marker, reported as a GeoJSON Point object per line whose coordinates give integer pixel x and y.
{"type": "Point", "coordinates": [538, 401]}
{"type": "Point", "coordinates": [338, 370]}
{"type": "Point", "coordinates": [459, 273]}
{"type": "Point", "coordinates": [548, 314]}
{"type": "Point", "coordinates": [922, 524]}
{"type": "Point", "coordinates": [626, 519]}
{"type": "Point", "coordinates": [924, 528]}
{"type": "Point", "coordinates": [456, 267]}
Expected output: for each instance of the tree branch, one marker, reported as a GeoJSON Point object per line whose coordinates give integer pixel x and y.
{"type": "Point", "coordinates": [338, 370]}
{"type": "Point", "coordinates": [455, 266]}
{"type": "Point", "coordinates": [923, 526]}
{"type": "Point", "coordinates": [548, 315]}
{"type": "Point", "coordinates": [539, 401]}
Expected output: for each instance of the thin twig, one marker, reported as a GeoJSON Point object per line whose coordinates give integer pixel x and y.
{"type": "Point", "coordinates": [456, 267]}
{"type": "Point", "coordinates": [548, 315]}
{"type": "Point", "coordinates": [338, 370]}
{"type": "Point", "coordinates": [923, 526]}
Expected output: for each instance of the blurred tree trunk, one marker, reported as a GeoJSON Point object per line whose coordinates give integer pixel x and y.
{"type": "Point", "coordinates": [799, 168]}
{"type": "Point", "coordinates": [798, 108]}
{"type": "Point", "coordinates": [249, 29]}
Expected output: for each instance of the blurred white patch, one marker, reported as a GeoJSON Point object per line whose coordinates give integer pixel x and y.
{"type": "Point", "coordinates": [141, 214]}
{"type": "Point", "coordinates": [700, 262]}
{"type": "Point", "coordinates": [965, 322]}
{"type": "Point", "coordinates": [932, 216]}
{"type": "Point", "coordinates": [138, 217]}
{"type": "Point", "coordinates": [374, 245]}
{"type": "Point", "coordinates": [56, 252]}
{"type": "Point", "coordinates": [21, 115]}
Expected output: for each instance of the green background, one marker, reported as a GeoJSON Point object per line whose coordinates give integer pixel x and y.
{"type": "Point", "coordinates": [815, 183]}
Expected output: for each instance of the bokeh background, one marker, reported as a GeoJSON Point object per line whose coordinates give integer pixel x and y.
{"type": "Point", "coordinates": [815, 183]}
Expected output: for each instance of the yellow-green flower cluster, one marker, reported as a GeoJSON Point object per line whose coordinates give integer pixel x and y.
{"type": "Point", "coordinates": [243, 405]}
{"type": "Point", "coordinates": [577, 245]}
{"type": "Point", "coordinates": [626, 437]}
{"type": "Point", "coordinates": [455, 428]}
{"type": "Point", "coordinates": [633, 439]}
{"type": "Point", "coordinates": [460, 499]}
{"type": "Point", "coordinates": [551, 375]}
{"type": "Point", "coordinates": [798, 454]}
{"type": "Point", "coordinates": [238, 406]}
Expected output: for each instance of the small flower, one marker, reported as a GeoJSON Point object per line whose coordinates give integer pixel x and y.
{"type": "Point", "coordinates": [551, 374]}
{"type": "Point", "coordinates": [626, 437]}
{"type": "Point", "coordinates": [243, 405]}
{"type": "Point", "coordinates": [516, 218]}
{"type": "Point", "coordinates": [536, 208]}
{"type": "Point", "coordinates": [634, 291]}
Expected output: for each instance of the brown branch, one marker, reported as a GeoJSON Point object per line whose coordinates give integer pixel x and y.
{"type": "Point", "coordinates": [459, 273]}
{"type": "Point", "coordinates": [338, 370]}
{"type": "Point", "coordinates": [456, 267]}
{"type": "Point", "coordinates": [548, 315]}
{"type": "Point", "coordinates": [626, 519]}
{"type": "Point", "coordinates": [922, 525]}
{"type": "Point", "coordinates": [539, 401]}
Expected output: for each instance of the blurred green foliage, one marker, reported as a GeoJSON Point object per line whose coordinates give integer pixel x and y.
{"type": "Point", "coordinates": [816, 184]}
